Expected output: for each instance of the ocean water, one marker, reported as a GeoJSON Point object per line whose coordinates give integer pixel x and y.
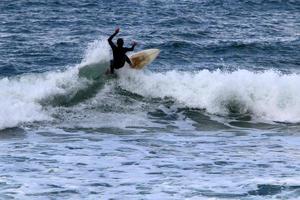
{"type": "Point", "coordinates": [216, 116]}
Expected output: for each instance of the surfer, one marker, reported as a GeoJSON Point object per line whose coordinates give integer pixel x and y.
{"type": "Point", "coordinates": [119, 53]}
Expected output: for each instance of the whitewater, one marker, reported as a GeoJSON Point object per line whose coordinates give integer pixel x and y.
{"type": "Point", "coordinates": [269, 95]}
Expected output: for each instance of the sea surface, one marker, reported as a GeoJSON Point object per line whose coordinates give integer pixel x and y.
{"type": "Point", "coordinates": [215, 117]}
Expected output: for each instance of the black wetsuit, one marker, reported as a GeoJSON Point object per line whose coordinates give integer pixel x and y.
{"type": "Point", "coordinates": [119, 55]}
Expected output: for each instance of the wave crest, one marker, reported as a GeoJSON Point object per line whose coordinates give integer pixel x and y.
{"type": "Point", "coordinates": [268, 95]}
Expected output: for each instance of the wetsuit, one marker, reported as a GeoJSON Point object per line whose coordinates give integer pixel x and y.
{"type": "Point", "coordinates": [119, 55]}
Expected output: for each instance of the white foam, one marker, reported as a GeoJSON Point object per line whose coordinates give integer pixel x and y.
{"type": "Point", "coordinates": [20, 96]}
{"type": "Point", "coordinates": [97, 51]}
{"type": "Point", "coordinates": [268, 95]}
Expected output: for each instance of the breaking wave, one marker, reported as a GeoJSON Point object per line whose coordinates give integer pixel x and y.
{"type": "Point", "coordinates": [268, 95]}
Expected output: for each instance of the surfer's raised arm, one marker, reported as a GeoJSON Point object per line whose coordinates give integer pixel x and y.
{"type": "Point", "coordinates": [112, 36]}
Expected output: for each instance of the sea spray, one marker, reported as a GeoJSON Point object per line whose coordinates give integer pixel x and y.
{"type": "Point", "coordinates": [96, 51]}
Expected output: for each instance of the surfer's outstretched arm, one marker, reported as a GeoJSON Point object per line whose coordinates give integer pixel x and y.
{"type": "Point", "coordinates": [132, 47]}
{"type": "Point", "coordinates": [112, 36]}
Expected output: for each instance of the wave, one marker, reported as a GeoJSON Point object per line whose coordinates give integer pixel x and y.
{"type": "Point", "coordinates": [25, 98]}
{"type": "Point", "coordinates": [20, 97]}
{"type": "Point", "coordinates": [268, 95]}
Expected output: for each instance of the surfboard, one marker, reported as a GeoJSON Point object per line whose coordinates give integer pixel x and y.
{"type": "Point", "coordinates": [142, 58]}
{"type": "Point", "coordinates": [139, 61]}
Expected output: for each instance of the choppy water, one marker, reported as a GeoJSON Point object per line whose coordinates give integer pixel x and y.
{"type": "Point", "coordinates": [216, 116]}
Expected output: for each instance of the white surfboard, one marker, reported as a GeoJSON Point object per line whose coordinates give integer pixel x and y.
{"type": "Point", "coordinates": [142, 58]}
{"type": "Point", "coordinates": [139, 60]}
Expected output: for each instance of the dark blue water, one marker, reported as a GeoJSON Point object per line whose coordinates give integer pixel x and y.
{"type": "Point", "coordinates": [216, 116]}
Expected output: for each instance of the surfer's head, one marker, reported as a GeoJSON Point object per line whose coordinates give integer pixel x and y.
{"type": "Point", "coordinates": [120, 42]}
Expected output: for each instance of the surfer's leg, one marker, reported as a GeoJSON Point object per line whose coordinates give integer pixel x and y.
{"type": "Point", "coordinates": [110, 70]}
{"type": "Point", "coordinates": [111, 66]}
